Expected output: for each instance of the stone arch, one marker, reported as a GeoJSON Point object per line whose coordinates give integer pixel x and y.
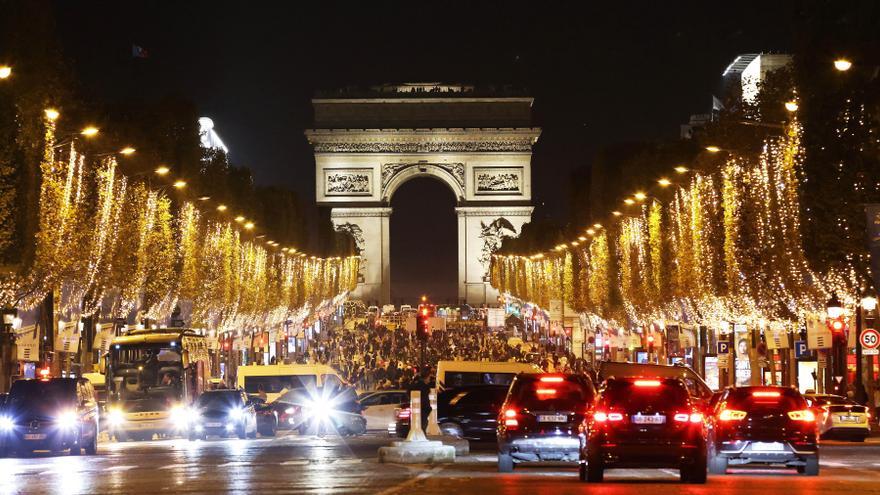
{"type": "Point", "coordinates": [442, 172]}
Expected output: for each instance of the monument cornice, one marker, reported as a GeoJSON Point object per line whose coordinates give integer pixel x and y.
{"type": "Point", "coordinates": [423, 140]}
{"type": "Point", "coordinates": [504, 211]}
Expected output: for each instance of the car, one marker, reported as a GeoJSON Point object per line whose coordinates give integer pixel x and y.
{"type": "Point", "coordinates": [465, 412]}
{"type": "Point", "coordinates": [223, 413]}
{"type": "Point", "coordinates": [267, 416]}
{"type": "Point", "coordinates": [541, 417]}
{"type": "Point", "coordinates": [53, 414]}
{"type": "Point", "coordinates": [840, 417]}
{"type": "Point", "coordinates": [639, 422]}
{"type": "Point", "coordinates": [763, 425]}
{"type": "Point", "coordinates": [378, 407]}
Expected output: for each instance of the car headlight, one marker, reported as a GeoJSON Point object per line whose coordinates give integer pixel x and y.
{"type": "Point", "coordinates": [6, 423]}
{"type": "Point", "coordinates": [180, 416]}
{"type": "Point", "coordinates": [320, 407]}
{"type": "Point", "coordinates": [235, 413]}
{"type": "Point", "coordinates": [289, 411]}
{"type": "Point", "coordinates": [67, 420]}
{"type": "Point", "coordinates": [115, 417]}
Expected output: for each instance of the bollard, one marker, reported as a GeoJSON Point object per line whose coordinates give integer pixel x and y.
{"type": "Point", "coordinates": [433, 428]}
{"type": "Point", "coordinates": [415, 418]}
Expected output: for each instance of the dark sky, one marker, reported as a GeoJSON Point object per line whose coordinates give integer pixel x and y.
{"type": "Point", "coordinates": [600, 73]}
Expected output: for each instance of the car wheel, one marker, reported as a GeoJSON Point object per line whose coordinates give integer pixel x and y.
{"type": "Point", "coordinates": [505, 463]}
{"type": "Point", "coordinates": [582, 472]}
{"type": "Point", "coordinates": [694, 473]}
{"type": "Point", "coordinates": [452, 430]}
{"type": "Point", "coordinates": [595, 470]}
{"type": "Point", "coordinates": [811, 468]}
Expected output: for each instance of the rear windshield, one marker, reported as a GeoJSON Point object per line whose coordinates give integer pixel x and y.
{"type": "Point", "coordinates": [630, 396]}
{"type": "Point", "coordinates": [453, 379]}
{"type": "Point", "coordinates": [829, 400]}
{"type": "Point", "coordinates": [749, 399]}
{"type": "Point", "coordinates": [567, 395]}
{"type": "Point", "coordinates": [275, 384]}
{"type": "Point", "coordinates": [42, 398]}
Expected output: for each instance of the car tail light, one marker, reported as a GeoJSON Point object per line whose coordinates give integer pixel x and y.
{"type": "Point", "coordinates": [601, 417]}
{"type": "Point", "coordinates": [551, 379]}
{"type": "Point", "coordinates": [803, 415]}
{"type": "Point", "coordinates": [731, 415]}
{"type": "Point", "coordinates": [681, 417]}
{"type": "Point", "coordinates": [647, 383]}
{"type": "Point", "coordinates": [404, 413]}
{"type": "Point", "coordinates": [696, 417]}
{"type": "Point", "coordinates": [766, 394]}
{"type": "Point", "coordinates": [510, 420]}
{"type": "Point", "coordinates": [544, 392]}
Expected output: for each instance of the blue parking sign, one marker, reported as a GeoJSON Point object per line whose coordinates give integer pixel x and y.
{"type": "Point", "coordinates": [800, 349]}
{"type": "Point", "coordinates": [723, 347]}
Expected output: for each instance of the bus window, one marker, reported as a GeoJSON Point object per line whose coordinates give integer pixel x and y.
{"type": "Point", "coordinates": [454, 379]}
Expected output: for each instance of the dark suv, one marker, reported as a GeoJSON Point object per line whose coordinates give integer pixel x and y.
{"type": "Point", "coordinates": [541, 417]}
{"type": "Point", "coordinates": [50, 414]}
{"type": "Point", "coordinates": [644, 423]}
{"type": "Point", "coordinates": [769, 425]}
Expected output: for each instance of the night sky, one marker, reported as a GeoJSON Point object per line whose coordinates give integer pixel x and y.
{"type": "Point", "coordinates": [600, 74]}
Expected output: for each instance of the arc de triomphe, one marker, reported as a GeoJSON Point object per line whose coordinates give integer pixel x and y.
{"type": "Point", "coordinates": [479, 143]}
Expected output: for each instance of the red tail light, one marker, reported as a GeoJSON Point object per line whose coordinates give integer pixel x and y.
{"type": "Point", "coordinates": [647, 383]}
{"type": "Point", "coordinates": [766, 394]}
{"type": "Point", "coordinates": [545, 391]}
{"type": "Point", "coordinates": [601, 417]}
{"type": "Point", "coordinates": [731, 415]}
{"type": "Point", "coordinates": [551, 379]}
{"type": "Point", "coordinates": [805, 415]}
{"type": "Point", "coordinates": [689, 417]}
{"type": "Point", "coordinates": [404, 413]}
{"type": "Point", "coordinates": [510, 420]}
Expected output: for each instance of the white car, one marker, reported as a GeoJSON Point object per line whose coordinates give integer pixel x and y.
{"type": "Point", "coordinates": [378, 407]}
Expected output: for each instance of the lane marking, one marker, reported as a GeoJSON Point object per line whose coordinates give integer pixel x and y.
{"type": "Point", "coordinates": [832, 464]}
{"type": "Point", "coordinates": [295, 463]}
{"type": "Point", "coordinates": [119, 468]}
{"type": "Point", "coordinates": [400, 486]}
{"type": "Point", "coordinates": [234, 463]}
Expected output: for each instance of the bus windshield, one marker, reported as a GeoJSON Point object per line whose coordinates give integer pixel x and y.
{"type": "Point", "coordinates": [146, 371]}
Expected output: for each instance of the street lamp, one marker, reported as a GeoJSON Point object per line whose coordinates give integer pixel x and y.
{"type": "Point", "coordinates": [842, 64]}
{"type": "Point", "coordinates": [791, 106]}
{"type": "Point", "coordinates": [179, 184]}
{"type": "Point", "coordinates": [90, 131]}
{"type": "Point", "coordinates": [664, 182]}
{"type": "Point", "coordinates": [163, 170]}
{"type": "Point", "coordinates": [221, 207]}
{"type": "Point", "coordinates": [681, 169]}
{"type": "Point", "coordinates": [51, 114]}
{"type": "Point", "coordinates": [127, 150]}
{"type": "Point", "coordinates": [713, 149]}
{"type": "Point", "coordinates": [834, 307]}
{"type": "Point", "coordinates": [5, 71]}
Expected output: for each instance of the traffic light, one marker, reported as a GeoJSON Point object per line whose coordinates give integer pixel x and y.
{"type": "Point", "coordinates": [422, 327]}
{"type": "Point", "coordinates": [650, 344]}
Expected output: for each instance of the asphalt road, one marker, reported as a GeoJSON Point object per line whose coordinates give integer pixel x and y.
{"type": "Point", "coordinates": [293, 464]}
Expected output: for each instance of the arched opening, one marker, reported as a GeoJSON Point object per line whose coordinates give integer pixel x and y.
{"type": "Point", "coordinates": [424, 242]}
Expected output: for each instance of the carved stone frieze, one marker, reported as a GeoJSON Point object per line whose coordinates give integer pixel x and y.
{"type": "Point", "coordinates": [389, 170]}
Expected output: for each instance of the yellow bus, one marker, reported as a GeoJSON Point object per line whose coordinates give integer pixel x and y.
{"type": "Point", "coordinates": [153, 376]}
{"type": "Point", "coordinates": [272, 379]}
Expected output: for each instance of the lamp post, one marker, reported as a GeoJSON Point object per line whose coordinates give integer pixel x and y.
{"type": "Point", "coordinates": [834, 309]}
{"type": "Point", "coordinates": [866, 304]}
{"type": "Point", "coordinates": [6, 340]}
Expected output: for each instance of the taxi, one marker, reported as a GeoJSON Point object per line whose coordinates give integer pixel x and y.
{"type": "Point", "coordinates": [841, 418]}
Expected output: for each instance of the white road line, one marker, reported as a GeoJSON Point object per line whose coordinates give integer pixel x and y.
{"type": "Point", "coordinates": [234, 463]}
{"type": "Point", "coordinates": [400, 486]}
{"type": "Point", "coordinates": [176, 466]}
{"type": "Point", "coordinates": [349, 461]}
{"type": "Point", "coordinates": [119, 468]}
{"type": "Point", "coordinates": [832, 464]}
{"type": "Point", "coordinates": [295, 463]}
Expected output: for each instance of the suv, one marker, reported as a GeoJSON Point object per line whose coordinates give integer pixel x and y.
{"type": "Point", "coordinates": [769, 425]}
{"type": "Point", "coordinates": [644, 423]}
{"type": "Point", "coordinates": [50, 414]}
{"type": "Point", "coordinates": [541, 417]}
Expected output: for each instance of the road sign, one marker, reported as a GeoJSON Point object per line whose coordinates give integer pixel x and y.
{"type": "Point", "coordinates": [870, 352]}
{"type": "Point", "coordinates": [723, 347]}
{"type": "Point", "coordinates": [870, 339]}
{"type": "Point", "coordinates": [800, 350]}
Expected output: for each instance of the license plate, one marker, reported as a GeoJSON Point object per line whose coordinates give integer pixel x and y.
{"type": "Point", "coordinates": [34, 436]}
{"type": "Point", "coordinates": [552, 418]}
{"type": "Point", "coordinates": [768, 446]}
{"type": "Point", "coordinates": [848, 419]}
{"type": "Point", "coordinates": [213, 425]}
{"type": "Point", "coordinates": [648, 420]}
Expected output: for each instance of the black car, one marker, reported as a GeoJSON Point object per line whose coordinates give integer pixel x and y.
{"type": "Point", "coordinates": [464, 412]}
{"type": "Point", "coordinates": [763, 425]}
{"type": "Point", "coordinates": [541, 419]}
{"type": "Point", "coordinates": [644, 423]}
{"type": "Point", "coordinates": [50, 414]}
{"type": "Point", "coordinates": [223, 413]}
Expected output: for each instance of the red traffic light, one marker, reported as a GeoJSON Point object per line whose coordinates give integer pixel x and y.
{"type": "Point", "coordinates": [424, 311]}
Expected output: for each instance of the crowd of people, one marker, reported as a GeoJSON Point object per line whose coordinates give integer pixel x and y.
{"type": "Point", "coordinates": [371, 357]}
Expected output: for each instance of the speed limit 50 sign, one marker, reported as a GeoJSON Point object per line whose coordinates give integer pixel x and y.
{"type": "Point", "coordinates": [870, 340]}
